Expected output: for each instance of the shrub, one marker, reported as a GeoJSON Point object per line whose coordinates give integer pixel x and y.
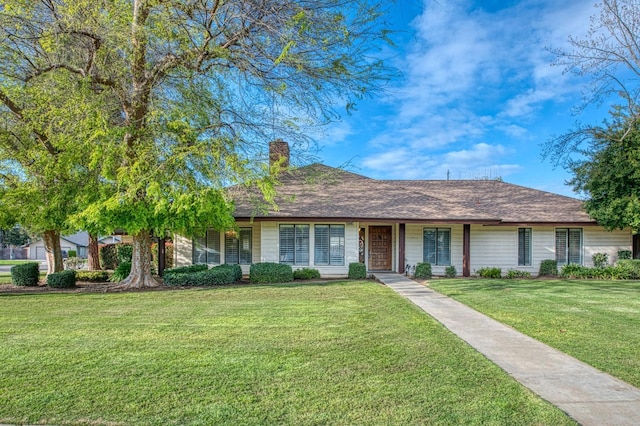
{"type": "Point", "coordinates": [631, 268]}
{"type": "Point", "coordinates": [121, 272]}
{"type": "Point", "coordinates": [198, 277]}
{"type": "Point", "coordinates": [423, 270]}
{"type": "Point", "coordinates": [26, 274]}
{"type": "Point", "coordinates": [124, 252]}
{"type": "Point", "coordinates": [306, 274]}
{"type": "Point", "coordinates": [450, 272]}
{"type": "Point", "coordinates": [187, 269]}
{"type": "Point", "coordinates": [74, 263]}
{"type": "Point", "coordinates": [92, 276]}
{"type": "Point", "coordinates": [357, 271]}
{"type": "Point", "coordinates": [600, 260]}
{"type": "Point", "coordinates": [574, 271]}
{"type": "Point", "coordinates": [266, 273]}
{"type": "Point", "coordinates": [548, 267]}
{"type": "Point", "coordinates": [72, 253]}
{"type": "Point", "coordinates": [490, 272]}
{"type": "Point", "coordinates": [109, 256]}
{"type": "Point", "coordinates": [64, 279]}
{"type": "Point", "coordinates": [514, 273]}
{"type": "Point", "coordinates": [624, 254]}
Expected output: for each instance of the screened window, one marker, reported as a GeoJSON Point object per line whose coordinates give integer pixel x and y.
{"type": "Point", "coordinates": [569, 246]}
{"type": "Point", "coordinates": [294, 244]}
{"type": "Point", "coordinates": [206, 248]}
{"type": "Point", "coordinates": [436, 247]}
{"type": "Point", "coordinates": [329, 245]}
{"type": "Point", "coordinates": [524, 246]}
{"type": "Point", "coordinates": [237, 247]}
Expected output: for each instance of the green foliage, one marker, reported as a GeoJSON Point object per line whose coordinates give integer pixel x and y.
{"type": "Point", "coordinates": [600, 260]}
{"type": "Point", "coordinates": [109, 256]}
{"type": "Point", "coordinates": [548, 268]}
{"type": "Point", "coordinates": [72, 253]}
{"type": "Point", "coordinates": [64, 279]}
{"type": "Point", "coordinates": [187, 269]}
{"type": "Point", "coordinates": [306, 274]}
{"type": "Point", "coordinates": [16, 236]}
{"type": "Point", "coordinates": [624, 254]}
{"type": "Point", "coordinates": [92, 276]}
{"type": "Point", "coordinates": [450, 271]}
{"type": "Point", "coordinates": [631, 266]}
{"type": "Point", "coordinates": [197, 276]}
{"type": "Point", "coordinates": [26, 274]}
{"type": "Point", "coordinates": [121, 272]}
{"type": "Point", "coordinates": [124, 252]}
{"type": "Point", "coordinates": [489, 272]}
{"type": "Point", "coordinates": [112, 255]}
{"type": "Point", "coordinates": [423, 270]}
{"type": "Point", "coordinates": [609, 272]}
{"type": "Point", "coordinates": [357, 271]}
{"type": "Point", "coordinates": [267, 273]}
{"type": "Point", "coordinates": [514, 273]}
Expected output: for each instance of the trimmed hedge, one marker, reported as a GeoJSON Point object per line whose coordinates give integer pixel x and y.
{"type": "Point", "coordinates": [490, 272]}
{"type": "Point", "coordinates": [306, 274]}
{"type": "Point", "coordinates": [268, 273]}
{"type": "Point", "coordinates": [357, 271]}
{"type": "Point", "coordinates": [624, 254]}
{"type": "Point", "coordinates": [450, 272]}
{"type": "Point", "coordinates": [187, 269]}
{"type": "Point", "coordinates": [26, 274]}
{"type": "Point", "coordinates": [548, 268]}
{"type": "Point", "coordinates": [514, 273]}
{"type": "Point", "coordinates": [92, 276]}
{"type": "Point", "coordinates": [423, 270]}
{"type": "Point", "coordinates": [72, 253]}
{"type": "Point", "coordinates": [64, 279]}
{"type": "Point", "coordinates": [195, 276]}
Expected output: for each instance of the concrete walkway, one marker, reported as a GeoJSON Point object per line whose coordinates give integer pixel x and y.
{"type": "Point", "coordinates": [589, 396]}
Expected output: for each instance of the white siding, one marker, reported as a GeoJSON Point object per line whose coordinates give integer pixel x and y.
{"type": "Point", "coordinates": [182, 250]}
{"type": "Point", "coordinates": [414, 246]}
{"type": "Point", "coordinates": [271, 246]}
{"type": "Point", "coordinates": [598, 240]}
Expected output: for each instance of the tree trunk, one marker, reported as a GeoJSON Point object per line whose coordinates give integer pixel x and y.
{"type": "Point", "coordinates": [54, 252]}
{"type": "Point", "coordinates": [93, 261]}
{"type": "Point", "coordinates": [140, 276]}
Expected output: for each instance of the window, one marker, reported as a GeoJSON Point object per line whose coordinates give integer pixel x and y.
{"type": "Point", "coordinates": [436, 246]}
{"type": "Point", "coordinates": [294, 244]}
{"type": "Point", "coordinates": [237, 247]}
{"type": "Point", "coordinates": [329, 245]}
{"type": "Point", "coordinates": [206, 248]}
{"type": "Point", "coordinates": [569, 246]}
{"type": "Point", "coordinates": [524, 246]}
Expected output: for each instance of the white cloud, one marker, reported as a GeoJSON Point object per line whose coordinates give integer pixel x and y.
{"type": "Point", "coordinates": [473, 75]}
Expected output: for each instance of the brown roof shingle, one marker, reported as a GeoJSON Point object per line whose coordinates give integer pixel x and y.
{"type": "Point", "coordinates": [323, 192]}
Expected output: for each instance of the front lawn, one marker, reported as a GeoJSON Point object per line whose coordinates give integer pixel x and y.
{"type": "Point", "coordinates": [597, 322]}
{"type": "Point", "coordinates": [338, 353]}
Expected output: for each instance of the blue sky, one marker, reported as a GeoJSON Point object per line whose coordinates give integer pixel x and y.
{"type": "Point", "coordinates": [478, 95]}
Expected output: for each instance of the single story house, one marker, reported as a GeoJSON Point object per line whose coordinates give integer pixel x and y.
{"type": "Point", "coordinates": [78, 242]}
{"type": "Point", "coordinates": [328, 218]}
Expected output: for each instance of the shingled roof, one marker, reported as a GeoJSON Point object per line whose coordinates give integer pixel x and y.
{"type": "Point", "coordinates": [318, 192]}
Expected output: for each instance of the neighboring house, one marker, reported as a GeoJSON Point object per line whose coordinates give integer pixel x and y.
{"type": "Point", "coordinates": [78, 242]}
{"type": "Point", "coordinates": [328, 218]}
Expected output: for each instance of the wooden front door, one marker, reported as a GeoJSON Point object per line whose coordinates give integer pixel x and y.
{"type": "Point", "coordinates": [380, 248]}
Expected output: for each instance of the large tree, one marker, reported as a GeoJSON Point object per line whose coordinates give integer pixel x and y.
{"type": "Point", "coordinates": [201, 84]}
{"type": "Point", "coordinates": [602, 157]}
{"type": "Point", "coordinates": [608, 174]}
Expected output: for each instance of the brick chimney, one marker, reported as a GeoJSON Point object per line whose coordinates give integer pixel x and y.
{"type": "Point", "coordinates": [279, 149]}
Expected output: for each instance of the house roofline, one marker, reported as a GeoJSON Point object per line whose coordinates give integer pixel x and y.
{"type": "Point", "coordinates": [485, 222]}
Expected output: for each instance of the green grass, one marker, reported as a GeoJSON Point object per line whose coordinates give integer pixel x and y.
{"type": "Point", "coordinates": [5, 277]}
{"type": "Point", "coordinates": [597, 322]}
{"type": "Point", "coordinates": [339, 353]}
{"type": "Point", "coordinates": [16, 262]}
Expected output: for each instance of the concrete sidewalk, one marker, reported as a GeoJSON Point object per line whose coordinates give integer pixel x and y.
{"type": "Point", "coordinates": [588, 395]}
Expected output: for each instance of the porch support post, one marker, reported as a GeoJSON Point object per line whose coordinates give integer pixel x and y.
{"type": "Point", "coordinates": [161, 254]}
{"type": "Point", "coordinates": [466, 250]}
{"type": "Point", "coordinates": [401, 248]}
{"type": "Point", "coordinates": [636, 246]}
